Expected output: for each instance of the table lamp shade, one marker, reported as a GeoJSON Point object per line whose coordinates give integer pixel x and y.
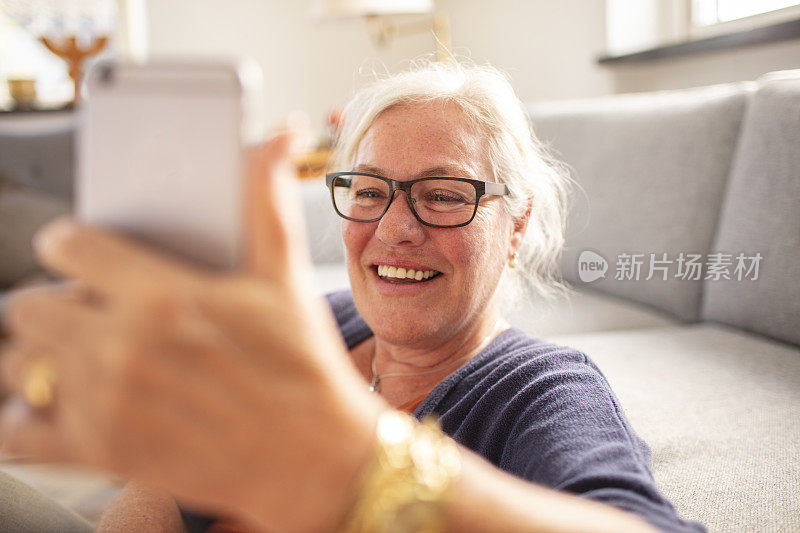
{"type": "Point", "coordinates": [360, 8]}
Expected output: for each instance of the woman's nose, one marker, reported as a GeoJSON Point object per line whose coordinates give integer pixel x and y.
{"type": "Point", "coordinates": [399, 225]}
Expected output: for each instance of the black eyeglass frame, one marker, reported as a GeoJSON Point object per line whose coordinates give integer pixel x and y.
{"type": "Point", "coordinates": [482, 188]}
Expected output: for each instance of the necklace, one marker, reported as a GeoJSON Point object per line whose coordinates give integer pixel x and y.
{"type": "Point", "coordinates": [375, 384]}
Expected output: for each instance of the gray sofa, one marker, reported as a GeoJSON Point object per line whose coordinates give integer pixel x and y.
{"type": "Point", "coordinates": [708, 370]}
{"type": "Point", "coordinates": [36, 175]}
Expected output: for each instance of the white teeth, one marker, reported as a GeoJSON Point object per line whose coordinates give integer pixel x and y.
{"type": "Point", "coordinates": [386, 271]}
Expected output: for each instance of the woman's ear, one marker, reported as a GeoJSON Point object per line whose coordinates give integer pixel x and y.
{"type": "Point", "coordinates": [520, 227]}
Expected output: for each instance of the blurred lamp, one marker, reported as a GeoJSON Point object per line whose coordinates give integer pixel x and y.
{"type": "Point", "coordinates": [381, 30]}
{"type": "Point", "coordinates": [360, 8]}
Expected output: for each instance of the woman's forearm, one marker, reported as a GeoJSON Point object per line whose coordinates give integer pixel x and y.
{"type": "Point", "coordinates": [139, 508]}
{"type": "Point", "coordinates": [487, 499]}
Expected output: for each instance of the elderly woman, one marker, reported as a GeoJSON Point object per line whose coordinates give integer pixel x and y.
{"type": "Point", "coordinates": [238, 395]}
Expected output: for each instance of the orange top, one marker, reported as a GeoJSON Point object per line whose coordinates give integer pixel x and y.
{"type": "Point", "coordinates": [409, 407]}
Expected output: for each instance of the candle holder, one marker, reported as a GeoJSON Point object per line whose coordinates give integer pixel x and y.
{"type": "Point", "coordinates": [75, 55]}
{"type": "Point", "coordinates": [71, 30]}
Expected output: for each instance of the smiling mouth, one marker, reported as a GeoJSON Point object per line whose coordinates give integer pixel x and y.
{"type": "Point", "coordinates": [405, 275]}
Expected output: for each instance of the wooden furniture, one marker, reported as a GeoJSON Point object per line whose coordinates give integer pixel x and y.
{"type": "Point", "coordinates": [312, 164]}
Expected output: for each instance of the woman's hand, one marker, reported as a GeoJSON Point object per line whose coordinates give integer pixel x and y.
{"type": "Point", "coordinates": [233, 392]}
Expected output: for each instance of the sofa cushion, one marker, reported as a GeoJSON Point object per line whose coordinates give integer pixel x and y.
{"type": "Point", "coordinates": [720, 410]}
{"type": "Point", "coordinates": [23, 509]}
{"type": "Point", "coordinates": [23, 211]}
{"type": "Point", "coordinates": [330, 277]}
{"type": "Point", "coordinates": [82, 491]}
{"type": "Point", "coordinates": [41, 159]}
{"type": "Point", "coordinates": [653, 168]}
{"type": "Point", "coordinates": [323, 225]}
{"type": "Point", "coordinates": [761, 215]}
{"type": "Point", "coordinates": [583, 311]}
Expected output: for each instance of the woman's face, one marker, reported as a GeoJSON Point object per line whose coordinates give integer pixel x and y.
{"type": "Point", "coordinates": [404, 143]}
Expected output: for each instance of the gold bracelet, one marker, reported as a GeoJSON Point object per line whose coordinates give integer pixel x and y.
{"type": "Point", "coordinates": [405, 488]}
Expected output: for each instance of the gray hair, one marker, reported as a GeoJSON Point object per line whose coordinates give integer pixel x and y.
{"type": "Point", "coordinates": [517, 158]}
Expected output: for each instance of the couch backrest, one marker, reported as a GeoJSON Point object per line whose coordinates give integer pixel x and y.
{"type": "Point", "coordinates": [36, 174]}
{"type": "Point", "coordinates": [40, 160]}
{"type": "Point", "coordinates": [323, 225]}
{"type": "Point", "coordinates": [761, 215]}
{"type": "Point", "coordinates": [653, 168]}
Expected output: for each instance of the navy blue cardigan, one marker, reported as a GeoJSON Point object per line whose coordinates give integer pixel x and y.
{"type": "Point", "coordinates": [544, 413]}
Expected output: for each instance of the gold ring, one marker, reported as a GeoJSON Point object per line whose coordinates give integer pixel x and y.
{"type": "Point", "coordinates": [39, 385]}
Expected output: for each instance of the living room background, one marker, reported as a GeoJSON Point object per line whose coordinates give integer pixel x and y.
{"type": "Point", "coordinates": [550, 49]}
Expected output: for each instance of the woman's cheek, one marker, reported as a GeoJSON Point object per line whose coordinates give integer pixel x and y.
{"type": "Point", "coordinates": [354, 237]}
{"type": "Point", "coordinates": [482, 252]}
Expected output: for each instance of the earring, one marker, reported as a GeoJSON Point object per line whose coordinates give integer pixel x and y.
{"type": "Point", "coordinates": [512, 263]}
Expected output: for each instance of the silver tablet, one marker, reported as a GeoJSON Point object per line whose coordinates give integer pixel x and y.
{"type": "Point", "coordinates": [161, 154]}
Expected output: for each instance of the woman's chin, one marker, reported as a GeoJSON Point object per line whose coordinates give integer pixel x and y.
{"type": "Point", "coordinates": [396, 321]}
{"type": "Point", "coordinates": [404, 332]}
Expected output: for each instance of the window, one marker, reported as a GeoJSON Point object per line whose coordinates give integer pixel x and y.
{"type": "Point", "coordinates": [649, 29]}
{"type": "Point", "coordinates": [708, 18]}
{"type": "Point", "coordinates": [708, 12]}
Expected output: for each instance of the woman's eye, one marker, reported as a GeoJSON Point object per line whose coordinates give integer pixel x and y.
{"type": "Point", "coordinates": [445, 196]}
{"type": "Point", "coordinates": [368, 193]}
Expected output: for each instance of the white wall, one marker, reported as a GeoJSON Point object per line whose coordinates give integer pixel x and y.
{"type": "Point", "coordinates": [307, 65]}
{"type": "Point", "coordinates": [548, 47]}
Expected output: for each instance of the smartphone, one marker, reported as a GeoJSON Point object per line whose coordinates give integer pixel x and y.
{"type": "Point", "coordinates": [161, 151]}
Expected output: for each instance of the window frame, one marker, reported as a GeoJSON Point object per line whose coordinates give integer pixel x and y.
{"type": "Point", "coordinates": [696, 31]}
{"type": "Point", "coordinates": [678, 37]}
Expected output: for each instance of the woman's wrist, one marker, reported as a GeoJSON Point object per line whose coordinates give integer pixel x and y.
{"type": "Point", "coordinates": [407, 484]}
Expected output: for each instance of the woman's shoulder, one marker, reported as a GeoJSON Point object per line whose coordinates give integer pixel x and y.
{"type": "Point", "coordinates": [514, 364]}
{"type": "Point", "coordinates": [516, 353]}
{"type": "Point", "coordinates": [524, 397]}
{"type": "Point", "coordinates": [351, 325]}
{"type": "Point", "coordinates": [342, 305]}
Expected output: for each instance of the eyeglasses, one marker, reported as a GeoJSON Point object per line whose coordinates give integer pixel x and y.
{"type": "Point", "coordinates": [439, 202]}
